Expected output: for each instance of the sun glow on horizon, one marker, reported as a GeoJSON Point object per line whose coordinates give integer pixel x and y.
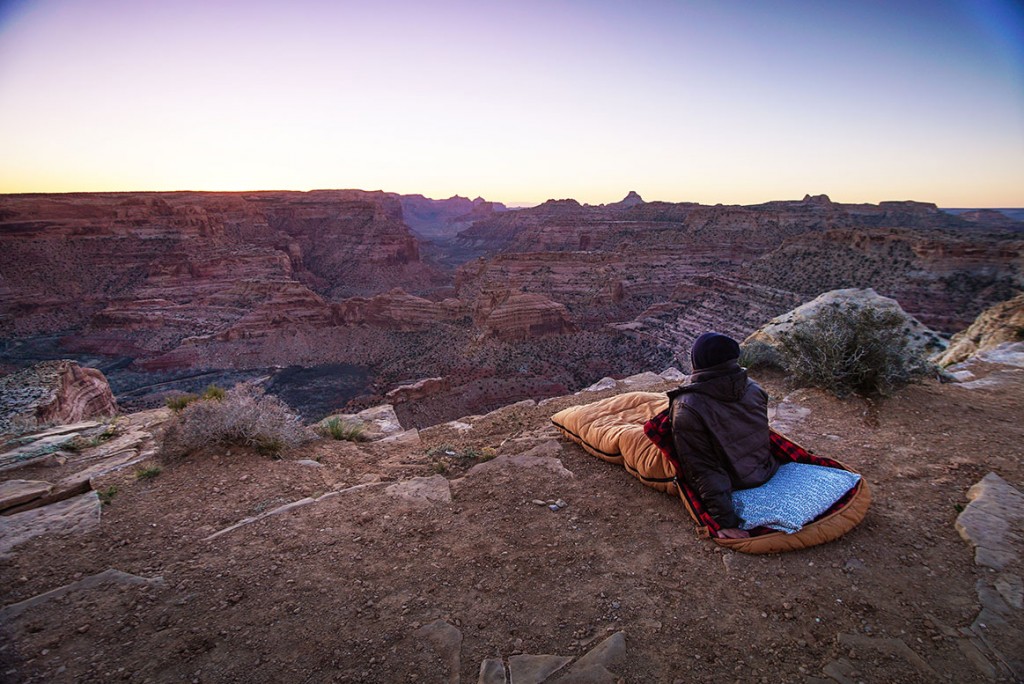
{"type": "Point", "coordinates": [678, 101]}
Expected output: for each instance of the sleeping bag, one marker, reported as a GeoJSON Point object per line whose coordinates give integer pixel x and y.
{"type": "Point", "coordinates": [634, 429]}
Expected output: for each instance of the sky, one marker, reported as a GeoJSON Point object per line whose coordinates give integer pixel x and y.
{"type": "Point", "coordinates": [519, 101]}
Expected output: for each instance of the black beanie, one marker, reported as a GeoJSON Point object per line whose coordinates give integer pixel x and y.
{"type": "Point", "coordinates": [711, 349]}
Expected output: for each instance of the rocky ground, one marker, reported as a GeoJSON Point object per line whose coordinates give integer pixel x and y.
{"type": "Point", "coordinates": [433, 556]}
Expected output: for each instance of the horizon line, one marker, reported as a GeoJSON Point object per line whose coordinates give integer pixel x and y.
{"type": "Point", "coordinates": [511, 204]}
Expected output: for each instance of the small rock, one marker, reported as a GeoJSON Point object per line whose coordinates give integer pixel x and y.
{"type": "Point", "coordinates": [539, 502]}
{"type": "Point", "coordinates": [854, 565]}
{"type": "Point", "coordinates": [561, 504]}
{"type": "Point", "coordinates": [602, 384]}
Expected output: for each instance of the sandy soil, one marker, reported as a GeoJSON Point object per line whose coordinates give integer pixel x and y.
{"type": "Point", "coordinates": [336, 590]}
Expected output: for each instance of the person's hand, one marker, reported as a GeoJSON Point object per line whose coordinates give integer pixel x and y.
{"type": "Point", "coordinates": [733, 533]}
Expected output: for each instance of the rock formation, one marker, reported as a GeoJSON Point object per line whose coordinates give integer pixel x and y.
{"type": "Point", "coordinates": [1001, 323]}
{"type": "Point", "coordinates": [397, 310]}
{"type": "Point", "coordinates": [53, 392]}
{"type": "Point", "coordinates": [920, 339]}
{"type": "Point", "coordinates": [512, 316]}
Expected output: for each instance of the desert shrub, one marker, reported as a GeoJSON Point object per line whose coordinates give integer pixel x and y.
{"type": "Point", "coordinates": [148, 473]}
{"type": "Point", "coordinates": [179, 401]}
{"type": "Point", "coordinates": [759, 355]}
{"type": "Point", "coordinates": [245, 416]}
{"type": "Point", "coordinates": [107, 495]}
{"type": "Point", "coordinates": [847, 348]}
{"type": "Point", "coordinates": [214, 392]}
{"type": "Point", "coordinates": [336, 428]}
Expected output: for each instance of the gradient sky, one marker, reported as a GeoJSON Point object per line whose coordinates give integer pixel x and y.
{"type": "Point", "coordinates": [519, 101]}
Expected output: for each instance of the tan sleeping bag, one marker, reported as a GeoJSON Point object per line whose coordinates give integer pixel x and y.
{"type": "Point", "coordinates": [613, 430]}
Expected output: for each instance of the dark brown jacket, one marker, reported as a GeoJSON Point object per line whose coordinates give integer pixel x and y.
{"type": "Point", "coordinates": [720, 431]}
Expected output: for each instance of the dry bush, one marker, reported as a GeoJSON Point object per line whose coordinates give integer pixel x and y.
{"type": "Point", "coordinates": [245, 416]}
{"type": "Point", "coordinates": [848, 348]}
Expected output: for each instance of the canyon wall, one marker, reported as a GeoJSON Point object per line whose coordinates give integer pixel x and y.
{"type": "Point", "coordinates": [164, 287]}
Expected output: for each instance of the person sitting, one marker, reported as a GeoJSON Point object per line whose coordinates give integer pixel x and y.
{"type": "Point", "coordinates": [720, 429]}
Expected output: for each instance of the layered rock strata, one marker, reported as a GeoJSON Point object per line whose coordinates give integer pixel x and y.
{"type": "Point", "coordinates": [53, 392]}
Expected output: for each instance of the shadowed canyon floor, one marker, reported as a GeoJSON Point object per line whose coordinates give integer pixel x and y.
{"type": "Point", "coordinates": [402, 562]}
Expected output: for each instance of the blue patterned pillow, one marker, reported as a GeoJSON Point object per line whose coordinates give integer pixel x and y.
{"type": "Point", "coordinates": [796, 495]}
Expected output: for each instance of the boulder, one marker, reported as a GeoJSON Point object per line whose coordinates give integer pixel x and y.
{"type": "Point", "coordinates": [764, 342]}
{"type": "Point", "coordinates": [378, 422]}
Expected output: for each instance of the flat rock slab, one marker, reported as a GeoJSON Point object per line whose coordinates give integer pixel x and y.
{"type": "Point", "coordinates": [446, 640]}
{"type": "Point", "coordinates": [1008, 353]}
{"type": "Point", "coordinates": [409, 439]}
{"type": "Point", "coordinates": [70, 516]}
{"type": "Point", "coordinates": [600, 385]}
{"type": "Point", "coordinates": [15, 492]}
{"type": "Point", "coordinates": [33, 452]}
{"type": "Point", "coordinates": [379, 421]}
{"type": "Point", "coordinates": [607, 654]}
{"type": "Point", "coordinates": [65, 429]}
{"type": "Point", "coordinates": [544, 455]}
{"type": "Point", "coordinates": [433, 489]}
{"type": "Point", "coordinates": [992, 522]}
{"type": "Point", "coordinates": [492, 671]}
{"type": "Point", "coordinates": [642, 380]}
{"type": "Point", "coordinates": [106, 577]}
{"type": "Point", "coordinates": [534, 669]}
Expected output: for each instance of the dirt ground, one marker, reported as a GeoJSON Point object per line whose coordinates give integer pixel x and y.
{"type": "Point", "coordinates": [335, 591]}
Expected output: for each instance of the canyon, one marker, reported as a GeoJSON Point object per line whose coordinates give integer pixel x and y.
{"type": "Point", "coordinates": [334, 298]}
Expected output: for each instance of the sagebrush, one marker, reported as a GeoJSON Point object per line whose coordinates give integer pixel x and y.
{"type": "Point", "coordinates": [847, 349]}
{"type": "Point", "coordinates": [244, 416]}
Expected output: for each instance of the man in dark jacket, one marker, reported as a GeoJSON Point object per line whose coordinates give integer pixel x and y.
{"type": "Point", "coordinates": [720, 429]}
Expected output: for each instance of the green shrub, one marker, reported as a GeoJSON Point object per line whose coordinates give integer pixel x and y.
{"type": "Point", "coordinates": [214, 392]}
{"type": "Point", "coordinates": [759, 355]}
{"type": "Point", "coordinates": [179, 401]}
{"type": "Point", "coordinates": [148, 473]}
{"type": "Point", "coordinates": [107, 495]}
{"type": "Point", "coordinates": [245, 417]}
{"type": "Point", "coordinates": [846, 348]}
{"type": "Point", "coordinates": [336, 428]}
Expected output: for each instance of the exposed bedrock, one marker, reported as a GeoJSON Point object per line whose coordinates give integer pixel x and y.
{"type": "Point", "coordinates": [996, 325]}
{"type": "Point", "coordinates": [53, 392]}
